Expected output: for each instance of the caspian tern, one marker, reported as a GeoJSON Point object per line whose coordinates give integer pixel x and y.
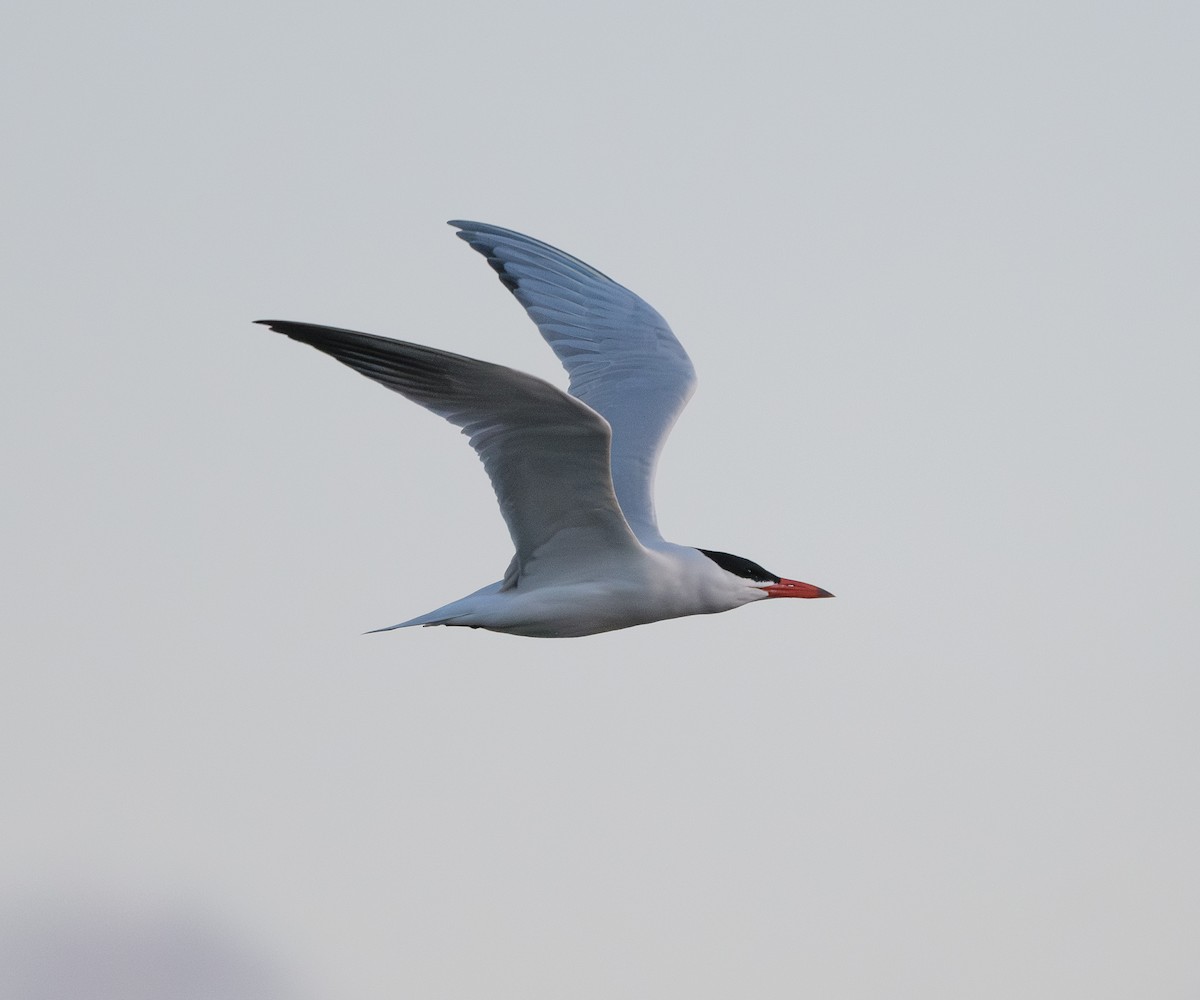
{"type": "Point", "coordinates": [573, 473]}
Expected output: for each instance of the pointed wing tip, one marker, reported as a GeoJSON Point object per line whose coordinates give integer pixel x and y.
{"type": "Point", "coordinates": [296, 327]}
{"type": "Point", "coordinates": [288, 327]}
{"type": "Point", "coordinates": [468, 230]}
{"type": "Point", "coordinates": [388, 628]}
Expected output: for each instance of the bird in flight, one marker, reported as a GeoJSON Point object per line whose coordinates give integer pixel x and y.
{"type": "Point", "coordinates": [573, 471]}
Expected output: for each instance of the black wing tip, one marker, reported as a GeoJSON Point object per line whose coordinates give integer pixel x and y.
{"type": "Point", "coordinates": [278, 325]}
{"type": "Point", "coordinates": [292, 327]}
{"type": "Point", "coordinates": [314, 334]}
{"type": "Point", "coordinates": [303, 332]}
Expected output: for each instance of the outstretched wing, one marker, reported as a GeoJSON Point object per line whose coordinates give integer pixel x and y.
{"type": "Point", "coordinates": [545, 452]}
{"type": "Point", "coordinates": [623, 359]}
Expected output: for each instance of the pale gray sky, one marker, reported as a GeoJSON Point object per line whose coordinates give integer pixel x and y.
{"type": "Point", "coordinates": [936, 266]}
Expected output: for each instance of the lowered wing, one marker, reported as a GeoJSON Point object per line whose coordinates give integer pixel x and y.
{"type": "Point", "coordinates": [545, 452]}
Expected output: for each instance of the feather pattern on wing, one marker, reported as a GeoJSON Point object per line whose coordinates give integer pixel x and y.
{"type": "Point", "coordinates": [623, 360]}
{"type": "Point", "coordinates": [547, 453]}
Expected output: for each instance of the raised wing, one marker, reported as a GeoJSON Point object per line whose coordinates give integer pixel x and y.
{"type": "Point", "coordinates": [545, 452]}
{"type": "Point", "coordinates": [623, 359]}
